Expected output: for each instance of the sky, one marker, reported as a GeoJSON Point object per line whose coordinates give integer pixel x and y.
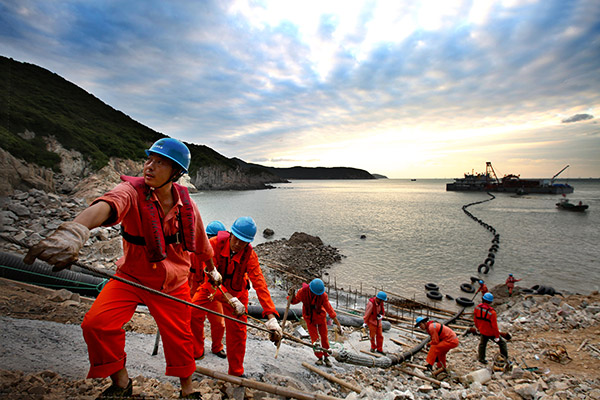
{"type": "Point", "coordinates": [402, 88]}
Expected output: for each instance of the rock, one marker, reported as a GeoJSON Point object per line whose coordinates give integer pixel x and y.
{"type": "Point", "coordinates": [527, 390]}
{"type": "Point", "coordinates": [267, 233]}
{"type": "Point", "coordinates": [481, 376]}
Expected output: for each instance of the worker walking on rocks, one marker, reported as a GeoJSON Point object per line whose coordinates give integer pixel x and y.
{"type": "Point", "coordinates": [205, 294]}
{"type": "Point", "coordinates": [443, 339]}
{"type": "Point", "coordinates": [483, 289]}
{"type": "Point", "coordinates": [373, 318]}
{"type": "Point", "coordinates": [315, 307]}
{"type": "Point", "coordinates": [161, 228]}
{"type": "Point", "coordinates": [510, 283]}
{"type": "Point", "coordinates": [238, 264]}
{"type": "Point", "coordinates": [486, 323]}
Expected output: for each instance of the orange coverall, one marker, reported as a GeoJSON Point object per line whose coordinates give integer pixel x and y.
{"type": "Point", "coordinates": [207, 296]}
{"type": "Point", "coordinates": [510, 283]}
{"type": "Point", "coordinates": [227, 264]}
{"type": "Point", "coordinates": [374, 307]}
{"type": "Point", "coordinates": [314, 311]}
{"type": "Point", "coordinates": [115, 305]}
{"type": "Point", "coordinates": [483, 289]}
{"type": "Point", "coordinates": [441, 342]}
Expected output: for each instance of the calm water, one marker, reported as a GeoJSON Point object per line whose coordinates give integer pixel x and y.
{"type": "Point", "coordinates": [416, 232]}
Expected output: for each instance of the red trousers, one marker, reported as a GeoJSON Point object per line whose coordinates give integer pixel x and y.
{"type": "Point", "coordinates": [437, 352]}
{"type": "Point", "coordinates": [376, 335]}
{"type": "Point", "coordinates": [208, 297]}
{"type": "Point", "coordinates": [235, 336]}
{"type": "Point", "coordinates": [103, 328]}
{"type": "Point", "coordinates": [316, 330]}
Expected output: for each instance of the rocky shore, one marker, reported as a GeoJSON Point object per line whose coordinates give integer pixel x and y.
{"type": "Point", "coordinates": [554, 350]}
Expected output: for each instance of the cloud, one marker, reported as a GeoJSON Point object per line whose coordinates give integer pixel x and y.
{"type": "Point", "coordinates": [577, 117]}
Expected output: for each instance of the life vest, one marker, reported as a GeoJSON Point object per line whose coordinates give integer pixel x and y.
{"type": "Point", "coordinates": [377, 309]}
{"type": "Point", "coordinates": [314, 305]}
{"type": "Point", "coordinates": [234, 276]}
{"type": "Point", "coordinates": [482, 313]}
{"type": "Point", "coordinates": [154, 238]}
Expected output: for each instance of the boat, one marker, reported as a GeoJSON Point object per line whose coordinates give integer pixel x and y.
{"type": "Point", "coordinates": [565, 204]}
{"type": "Point", "coordinates": [489, 182]}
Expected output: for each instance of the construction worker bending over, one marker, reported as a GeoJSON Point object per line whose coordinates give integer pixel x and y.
{"type": "Point", "coordinates": [374, 312]}
{"type": "Point", "coordinates": [487, 324]}
{"type": "Point", "coordinates": [237, 262]}
{"type": "Point", "coordinates": [161, 227]}
{"type": "Point", "coordinates": [443, 339]}
{"type": "Point", "coordinates": [510, 283]}
{"type": "Point", "coordinates": [205, 294]}
{"type": "Point", "coordinates": [315, 307]}
{"type": "Point", "coordinates": [483, 289]}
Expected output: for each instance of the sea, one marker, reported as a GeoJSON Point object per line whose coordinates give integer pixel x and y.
{"type": "Point", "coordinates": [397, 235]}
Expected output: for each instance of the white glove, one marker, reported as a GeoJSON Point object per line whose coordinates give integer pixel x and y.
{"type": "Point", "coordinates": [496, 340]}
{"type": "Point", "coordinates": [364, 325]}
{"type": "Point", "coordinates": [61, 248]}
{"type": "Point", "coordinates": [276, 332]}
{"type": "Point", "coordinates": [214, 276]}
{"type": "Point", "coordinates": [238, 307]}
{"type": "Point", "coordinates": [379, 317]}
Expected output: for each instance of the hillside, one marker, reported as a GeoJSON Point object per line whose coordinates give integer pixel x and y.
{"type": "Point", "coordinates": [51, 127]}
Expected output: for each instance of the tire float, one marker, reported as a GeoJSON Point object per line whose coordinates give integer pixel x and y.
{"type": "Point", "coordinates": [467, 287]}
{"type": "Point", "coordinates": [434, 295]}
{"type": "Point", "coordinates": [465, 302]}
{"type": "Point", "coordinates": [432, 287]}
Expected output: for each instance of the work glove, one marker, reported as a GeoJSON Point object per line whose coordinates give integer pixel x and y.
{"type": "Point", "coordinates": [276, 332]}
{"type": "Point", "coordinates": [338, 329]}
{"type": "Point", "coordinates": [238, 307]}
{"type": "Point", "coordinates": [61, 248]}
{"type": "Point", "coordinates": [364, 325]}
{"type": "Point", "coordinates": [496, 340]}
{"type": "Point", "coordinates": [379, 317]}
{"type": "Point", "coordinates": [214, 277]}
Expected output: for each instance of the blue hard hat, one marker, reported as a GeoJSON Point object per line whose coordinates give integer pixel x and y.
{"type": "Point", "coordinates": [509, 274]}
{"type": "Point", "coordinates": [480, 282]}
{"type": "Point", "coordinates": [214, 227]}
{"type": "Point", "coordinates": [382, 296]}
{"type": "Point", "coordinates": [421, 319]}
{"type": "Point", "coordinates": [488, 297]}
{"type": "Point", "coordinates": [317, 286]}
{"type": "Point", "coordinates": [174, 150]}
{"type": "Point", "coordinates": [244, 228]}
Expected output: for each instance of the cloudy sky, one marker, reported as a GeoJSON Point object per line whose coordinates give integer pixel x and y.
{"type": "Point", "coordinates": [404, 88]}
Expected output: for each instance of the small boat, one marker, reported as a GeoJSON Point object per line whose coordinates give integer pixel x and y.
{"type": "Point", "coordinates": [564, 204]}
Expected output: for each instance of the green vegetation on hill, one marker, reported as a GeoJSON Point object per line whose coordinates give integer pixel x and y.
{"type": "Point", "coordinates": [36, 100]}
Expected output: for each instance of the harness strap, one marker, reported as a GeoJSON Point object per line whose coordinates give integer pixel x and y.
{"type": "Point", "coordinates": [141, 241]}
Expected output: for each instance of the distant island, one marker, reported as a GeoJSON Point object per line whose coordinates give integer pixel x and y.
{"type": "Point", "coordinates": [378, 176]}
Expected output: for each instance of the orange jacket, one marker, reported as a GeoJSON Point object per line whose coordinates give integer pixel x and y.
{"type": "Point", "coordinates": [439, 333]}
{"type": "Point", "coordinates": [165, 275]}
{"type": "Point", "coordinates": [485, 320]}
{"type": "Point", "coordinates": [482, 288]}
{"type": "Point", "coordinates": [314, 308]}
{"type": "Point", "coordinates": [246, 264]}
{"type": "Point", "coordinates": [372, 309]}
{"type": "Point", "coordinates": [510, 281]}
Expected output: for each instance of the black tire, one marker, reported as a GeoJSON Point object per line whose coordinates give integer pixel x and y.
{"type": "Point", "coordinates": [491, 255]}
{"type": "Point", "coordinates": [474, 278]}
{"type": "Point", "coordinates": [489, 261]}
{"type": "Point", "coordinates": [467, 287]}
{"type": "Point", "coordinates": [434, 295]}
{"type": "Point", "coordinates": [541, 289]}
{"type": "Point", "coordinates": [465, 302]}
{"type": "Point", "coordinates": [432, 286]}
{"type": "Point", "coordinates": [535, 287]}
{"type": "Point", "coordinates": [550, 290]}
{"type": "Point", "coordinates": [483, 267]}
{"type": "Point", "coordinates": [527, 291]}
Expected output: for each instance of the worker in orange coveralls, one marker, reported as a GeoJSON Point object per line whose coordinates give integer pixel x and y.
{"type": "Point", "coordinates": [161, 227]}
{"type": "Point", "coordinates": [483, 289]}
{"type": "Point", "coordinates": [315, 307]}
{"type": "Point", "coordinates": [510, 283]}
{"type": "Point", "coordinates": [373, 318]}
{"type": "Point", "coordinates": [443, 339]}
{"type": "Point", "coordinates": [237, 263]}
{"type": "Point", "coordinates": [486, 322]}
{"type": "Point", "coordinates": [209, 297]}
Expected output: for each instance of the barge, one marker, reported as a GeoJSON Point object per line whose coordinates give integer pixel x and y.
{"type": "Point", "coordinates": [489, 182]}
